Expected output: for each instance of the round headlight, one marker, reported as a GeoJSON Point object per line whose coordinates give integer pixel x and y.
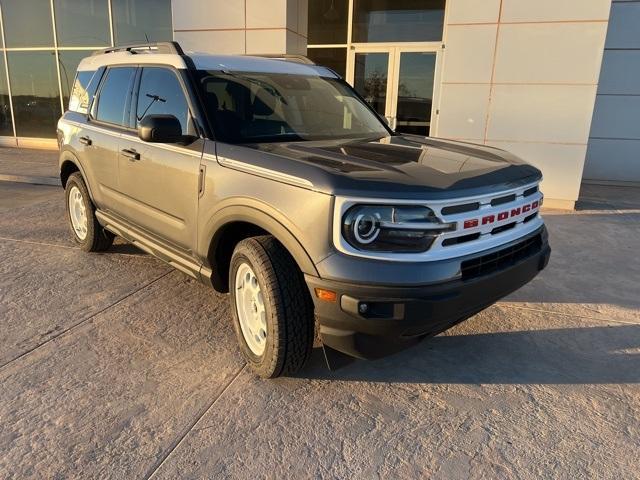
{"type": "Point", "coordinates": [366, 227]}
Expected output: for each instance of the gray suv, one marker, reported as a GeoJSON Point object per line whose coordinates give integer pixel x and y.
{"type": "Point", "coordinates": [273, 180]}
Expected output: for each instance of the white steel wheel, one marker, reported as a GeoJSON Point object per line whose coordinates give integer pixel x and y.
{"type": "Point", "coordinates": [250, 309]}
{"type": "Point", "coordinates": [78, 213]}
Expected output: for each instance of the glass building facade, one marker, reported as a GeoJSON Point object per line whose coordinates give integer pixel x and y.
{"type": "Point", "coordinates": [42, 42]}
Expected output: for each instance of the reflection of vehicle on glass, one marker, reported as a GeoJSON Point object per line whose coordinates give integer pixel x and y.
{"type": "Point", "coordinates": [275, 182]}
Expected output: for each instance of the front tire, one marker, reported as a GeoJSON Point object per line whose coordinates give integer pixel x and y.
{"type": "Point", "coordinates": [85, 229]}
{"type": "Point", "coordinates": [271, 307]}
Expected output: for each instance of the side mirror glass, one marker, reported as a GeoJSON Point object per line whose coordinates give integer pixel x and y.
{"type": "Point", "coordinates": [161, 129]}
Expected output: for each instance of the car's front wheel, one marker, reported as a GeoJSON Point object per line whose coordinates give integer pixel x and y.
{"type": "Point", "coordinates": [271, 307]}
{"type": "Point", "coordinates": [86, 230]}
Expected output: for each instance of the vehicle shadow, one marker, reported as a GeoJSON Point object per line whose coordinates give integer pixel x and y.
{"type": "Point", "coordinates": [594, 355]}
{"type": "Point", "coordinates": [124, 248]}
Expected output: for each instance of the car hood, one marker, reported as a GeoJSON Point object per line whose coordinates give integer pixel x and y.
{"type": "Point", "coordinates": [401, 165]}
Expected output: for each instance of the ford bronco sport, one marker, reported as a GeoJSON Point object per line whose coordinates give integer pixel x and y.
{"type": "Point", "coordinates": [275, 181]}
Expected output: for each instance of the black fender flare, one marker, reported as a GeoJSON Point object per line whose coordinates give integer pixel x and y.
{"type": "Point", "coordinates": [226, 215]}
{"type": "Point", "coordinates": [67, 155]}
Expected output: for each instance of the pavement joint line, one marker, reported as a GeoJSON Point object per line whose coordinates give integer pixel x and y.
{"type": "Point", "coordinates": [154, 469]}
{"type": "Point", "coordinates": [18, 240]}
{"type": "Point", "coordinates": [554, 312]}
{"type": "Point", "coordinates": [82, 322]}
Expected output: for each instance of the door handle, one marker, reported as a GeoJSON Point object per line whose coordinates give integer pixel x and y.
{"type": "Point", "coordinates": [85, 141]}
{"type": "Point", "coordinates": [131, 154]}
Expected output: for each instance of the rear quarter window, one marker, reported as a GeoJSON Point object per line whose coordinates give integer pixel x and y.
{"type": "Point", "coordinates": [80, 96]}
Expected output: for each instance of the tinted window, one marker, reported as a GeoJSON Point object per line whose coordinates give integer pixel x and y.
{"type": "Point", "coordinates": [334, 58]}
{"type": "Point", "coordinates": [113, 95]}
{"type": "Point", "coordinates": [137, 21]}
{"type": "Point", "coordinates": [398, 20]}
{"type": "Point", "coordinates": [82, 22]}
{"type": "Point", "coordinates": [328, 21]}
{"type": "Point", "coordinates": [27, 23]}
{"type": "Point", "coordinates": [161, 93]}
{"type": "Point", "coordinates": [36, 97]}
{"type": "Point", "coordinates": [79, 101]}
{"type": "Point", "coordinates": [6, 127]}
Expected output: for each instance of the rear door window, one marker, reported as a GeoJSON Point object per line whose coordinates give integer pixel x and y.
{"type": "Point", "coordinates": [161, 93]}
{"type": "Point", "coordinates": [114, 95]}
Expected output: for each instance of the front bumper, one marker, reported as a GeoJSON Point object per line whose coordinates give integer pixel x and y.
{"type": "Point", "coordinates": [371, 321]}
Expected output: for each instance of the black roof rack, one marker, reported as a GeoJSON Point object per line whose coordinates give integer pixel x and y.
{"type": "Point", "coordinates": [154, 47]}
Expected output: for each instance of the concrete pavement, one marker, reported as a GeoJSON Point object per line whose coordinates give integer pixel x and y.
{"type": "Point", "coordinates": [36, 167]}
{"type": "Point", "coordinates": [116, 366]}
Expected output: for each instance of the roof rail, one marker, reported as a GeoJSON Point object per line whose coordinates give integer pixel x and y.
{"type": "Point", "coordinates": [152, 47]}
{"type": "Point", "coordinates": [288, 57]}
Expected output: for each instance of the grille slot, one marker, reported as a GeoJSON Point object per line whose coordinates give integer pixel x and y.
{"type": "Point", "coordinates": [501, 200]}
{"type": "Point", "coordinates": [530, 217]}
{"type": "Point", "coordinates": [467, 207]}
{"type": "Point", "coordinates": [503, 228]}
{"type": "Point", "coordinates": [530, 191]}
{"type": "Point", "coordinates": [462, 239]}
{"type": "Point", "coordinates": [501, 259]}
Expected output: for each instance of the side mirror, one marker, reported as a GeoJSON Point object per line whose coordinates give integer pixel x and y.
{"type": "Point", "coordinates": [160, 129]}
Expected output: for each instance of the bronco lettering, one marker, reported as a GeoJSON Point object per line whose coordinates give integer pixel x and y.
{"type": "Point", "coordinates": [488, 219]}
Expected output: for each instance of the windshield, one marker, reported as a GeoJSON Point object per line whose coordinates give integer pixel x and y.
{"type": "Point", "coordinates": [274, 107]}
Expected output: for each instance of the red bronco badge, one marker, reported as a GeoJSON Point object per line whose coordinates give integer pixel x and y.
{"type": "Point", "coordinates": [514, 212]}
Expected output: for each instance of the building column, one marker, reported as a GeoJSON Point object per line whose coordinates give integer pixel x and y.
{"type": "Point", "coordinates": [258, 27]}
{"type": "Point", "coordinates": [522, 76]}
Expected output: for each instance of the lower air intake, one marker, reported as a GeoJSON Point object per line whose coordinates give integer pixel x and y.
{"type": "Point", "coordinates": [501, 259]}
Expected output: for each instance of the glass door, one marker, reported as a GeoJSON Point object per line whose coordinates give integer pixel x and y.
{"type": "Point", "coordinates": [413, 93]}
{"type": "Point", "coordinates": [398, 82]}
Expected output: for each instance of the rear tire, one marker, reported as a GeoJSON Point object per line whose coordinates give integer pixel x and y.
{"type": "Point", "coordinates": [85, 229]}
{"type": "Point", "coordinates": [271, 307]}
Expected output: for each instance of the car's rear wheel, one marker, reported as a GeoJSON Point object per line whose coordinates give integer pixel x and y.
{"type": "Point", "coordinates": [86, 230]}
{"type": "Point", "coordinates": [271, 307]}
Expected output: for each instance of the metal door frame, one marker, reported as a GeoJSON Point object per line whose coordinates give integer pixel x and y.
{"type": "Point", "coordinates": [395, 50]}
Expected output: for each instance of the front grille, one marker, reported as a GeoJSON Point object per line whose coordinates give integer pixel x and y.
{"type": "Point", "coordinates": [501, 259]}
